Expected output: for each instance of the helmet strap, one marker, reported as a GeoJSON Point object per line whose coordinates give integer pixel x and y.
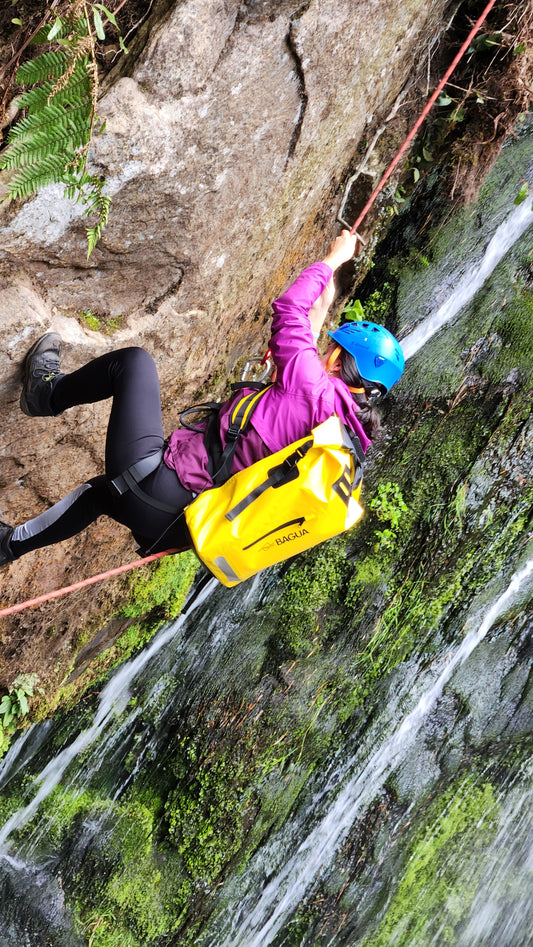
{"type": "Point", "coordinates": [331, 361]}
{"type": "Point", "coordinates": [333, 358]}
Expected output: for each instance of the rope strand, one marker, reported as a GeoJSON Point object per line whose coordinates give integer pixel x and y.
{"type": "Point", "coordinates": [422, 116]}
{"type": "Point", "coordinates": [20, 606]}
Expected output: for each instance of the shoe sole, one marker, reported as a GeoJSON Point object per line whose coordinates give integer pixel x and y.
{"type": "Point", "coordinates": [29, 354]}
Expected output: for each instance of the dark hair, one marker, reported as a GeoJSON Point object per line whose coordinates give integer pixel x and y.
{"type": "Point", "coordinates": [367, 415]}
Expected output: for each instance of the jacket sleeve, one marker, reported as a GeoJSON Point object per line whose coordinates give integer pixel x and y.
{"type": "Point", "coordinates": [292, 345]}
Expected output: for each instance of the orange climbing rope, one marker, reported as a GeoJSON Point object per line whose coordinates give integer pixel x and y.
{"type": "Point", "coordinates": [58, 593]}
{"type": "Point", "coordinates": [422, 116]}
{"type": "Point", "coordinates": [159, 555]}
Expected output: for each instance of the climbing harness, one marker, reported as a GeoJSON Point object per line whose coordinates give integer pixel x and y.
{"type": "Point", "coordinates": [131, 476]}
{"type": "Point", "coordinates": [130, 479]}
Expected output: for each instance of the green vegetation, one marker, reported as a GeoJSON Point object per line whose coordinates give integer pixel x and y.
{"type": "Point", "coordinates": [207, 814]}
{"type": "Point", "coordinates": [136, 890]}
{"type": "Point", "coordinates": [155, 595]}
{"type": "Point", "coordinates": [514, 326]}
{"type": "Point", "coordinates": [353, 311]}
{"type": "Point", "coordinates": [100, 323]}
{"type": "Point", "coordinates": [430, 901]}
{"type": "Point", "coordinates": [163, 586]}
{"type": "Point", "coordinates": [376, 307]}
{"type": "Point", "coordinates": [389, 507]}
{"type": "Point", "coordinates": [307, 587]}
{"type": "Point", "coordinates": [50, 143]}
{"type": "Point", "coordinates": [14, 706]}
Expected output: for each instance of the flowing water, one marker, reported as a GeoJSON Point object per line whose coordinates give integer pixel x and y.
{"type": "Point", "coordinates": [471, 282]}
{"type": "Point", "coordinates": [264, 916]}
{"type": "Point", "coordinates": [113, 702]}
{"type": "Point", "coordinates": [420, 704]}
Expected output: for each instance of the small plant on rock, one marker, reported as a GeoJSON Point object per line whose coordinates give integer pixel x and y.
{"type": "Point", "coordinates": [389, 507]}
{"type": "Point", "coordinates": [14, 706]}
{"type": "Point", "coordinates": [50, 142]}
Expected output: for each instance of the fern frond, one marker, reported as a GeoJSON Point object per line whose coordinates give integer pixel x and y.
{"type": "Point", "coordinates": [79, 87]}
{"type": "Point", "coordinates": [74, 123]}
{"type": "Point", "coordinates": [32, 178]}
{"type": "Point", "coordinates": [50, 143]}
{"type": "Point", "coordinates": [42, 67]}
{"type": "Point", "coordinates": [94, 233]}
{"type": "Point", "coordinates": [42, 143]}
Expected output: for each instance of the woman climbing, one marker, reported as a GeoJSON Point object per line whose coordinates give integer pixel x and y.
{"type": "Point", "coordinates": [148, 480]}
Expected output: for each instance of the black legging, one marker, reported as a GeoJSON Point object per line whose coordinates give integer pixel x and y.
{"type": "Point", "coordinates": [135, 431]}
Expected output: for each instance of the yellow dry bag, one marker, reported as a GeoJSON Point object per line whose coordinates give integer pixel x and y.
{"type": "Point", "coordinates": [280, 506]}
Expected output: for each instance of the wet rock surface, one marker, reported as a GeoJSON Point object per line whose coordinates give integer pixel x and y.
{"type": "Point", "coordinates": [224, 149]}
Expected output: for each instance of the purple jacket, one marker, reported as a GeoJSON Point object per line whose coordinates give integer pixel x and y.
{"type": "Point", "coordinates": [302, 396]}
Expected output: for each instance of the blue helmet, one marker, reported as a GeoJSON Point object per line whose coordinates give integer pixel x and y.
{"type": "Point", "coordinates": [378, 355]}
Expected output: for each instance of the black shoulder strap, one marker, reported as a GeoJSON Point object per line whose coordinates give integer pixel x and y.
{"type": "Point", "coordinates": [239, 420]}
{"type": "Point", "coordinates": [202, 414]}
{"type": "Point", "coordinates": [356, 444]}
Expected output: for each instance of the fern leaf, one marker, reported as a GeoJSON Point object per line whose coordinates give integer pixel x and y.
{"type": "Point", "coordinates": [52, 116]}
{"type": "Point", "coordinates": [50, 144]}
{"type": "Point", "coordinates": [35, 149]}
{"type": "Point", "coordinates": [78, 89]}
{"type": "Point", "coordinates": [99, 205]}
{"type": "Point", "coordinates": [32, 178]}
{"type": "Point", "coordinates": [42, 67]}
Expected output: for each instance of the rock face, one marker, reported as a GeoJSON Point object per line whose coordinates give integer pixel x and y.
{"type": "Point", "coordinates": [224, 152]}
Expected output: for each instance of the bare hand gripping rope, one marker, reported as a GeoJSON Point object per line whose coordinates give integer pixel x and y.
{"type": "Point", "coordinates": [4, 612]}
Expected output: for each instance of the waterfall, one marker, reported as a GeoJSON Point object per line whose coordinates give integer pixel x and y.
{"type": "Point", "coordinates": [113, 702]}
{"type": "Point", "coordinates": [510, 857]}
{"type": "Point", "coordinates": [504, 238]}
{"type": "Point", "coordinates": [182, 680]}
{"type": "Point", "coordinates": [280, 896]}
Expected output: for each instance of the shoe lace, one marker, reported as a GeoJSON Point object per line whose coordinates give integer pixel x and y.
{"type": "Point", "coordinates": [46, 369]}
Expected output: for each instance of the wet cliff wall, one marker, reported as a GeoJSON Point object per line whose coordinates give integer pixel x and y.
{"type": "Point", "coordinates": [224, 149]}
{"type": "Point", "coordinates": [337, 752]}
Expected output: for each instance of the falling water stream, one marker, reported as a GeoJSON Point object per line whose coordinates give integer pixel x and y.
{"type": "Point", "coordinates": [471, 282]}
{"type": "Point", "coordinates": [264, 918]}
{"type": "Point", "coordinates": [113, 702]}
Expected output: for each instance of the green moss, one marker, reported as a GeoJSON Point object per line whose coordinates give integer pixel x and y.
{"type": "Point", "coordinates": [306, 587]}
{"type": "Point", "coordinates": [207, 812]}
{"type": "Point", "coordinates": [126, 890]}
{"type": "Point", "coordinates": [62, 808]}
{"type": "Point", "coordinates": [140, 889]}
{"type": "Point", "coordinates": [164, 586]}
{"type": "Point", "coordinates": [156, 594]}
{"type": "Point", "coordinates": [514, 325]}
{"type": "Point", "coordinates": [98, 322]}
{"type": "Point", "coordinates": [9, 803]}
{"type": "Point", "coordinates": [432, 896]}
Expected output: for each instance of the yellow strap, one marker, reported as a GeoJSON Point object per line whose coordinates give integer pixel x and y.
{"type": "Point", "coordinates": [252, 401]}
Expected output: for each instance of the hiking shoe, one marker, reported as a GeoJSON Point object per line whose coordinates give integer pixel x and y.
{"type": "Point", "coordinates": [5, 551]}
{"type": "Point", "coordinates": [40, 372]}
